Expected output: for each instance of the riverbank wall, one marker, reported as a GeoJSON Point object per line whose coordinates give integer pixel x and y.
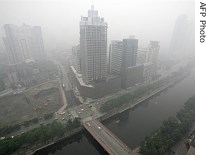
{"type": "Point", "coordinates": [132, 105]}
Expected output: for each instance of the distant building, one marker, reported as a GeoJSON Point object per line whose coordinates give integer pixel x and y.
{"type": "Point", "coordinates": [183, 38]}
{"type": "Point", "coordinates": [141, 55]}
{"type": "Point", "coordinates": [129, 56]}
{"type": "Point", "coordinates": [148, 71]}
{"type": "Point", "coordinates": [93, 47]}
{"type": "Point", "coordinates": [132, 75]}
{"type": "Point", "coordinates": [31, 72]}
{"type": "Point", "coordinates": [152, 55]}
{"type": "Point", "coordinates": [130, 48]}
{"type": "Point", "coordinates": [115, 56]}
{"type": "Point", "coordinates": [23, 43]}
{"type": "Point", "coordinates": [153, 51]}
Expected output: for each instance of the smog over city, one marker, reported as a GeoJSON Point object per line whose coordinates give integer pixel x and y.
{"type": "Point", "coordinates": [97, 77]}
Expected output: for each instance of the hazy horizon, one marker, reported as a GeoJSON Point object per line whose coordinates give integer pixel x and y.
{"type": "Point", "coordinates": [59, 20]}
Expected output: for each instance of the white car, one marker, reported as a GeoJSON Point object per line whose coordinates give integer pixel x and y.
{"type": "Point", "coordinates": [99, 127]}
{"type": "Point", "coordinates": [62, 113]}
{"type": "Point", "coordinates": [88, 124]}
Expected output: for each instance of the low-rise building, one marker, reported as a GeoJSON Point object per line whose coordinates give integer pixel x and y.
{"type": "Point", "coordinates": [95, 89]}
{"type": "Point", "coordinates": [132, 75]}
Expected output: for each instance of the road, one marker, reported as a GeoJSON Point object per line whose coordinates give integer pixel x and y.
{"type": "Point", "coordinates": [105, 139]}
{"type": "Point", "coordinates": [65, 78]}
{"type": "Point", "coordinates": [63, 96]}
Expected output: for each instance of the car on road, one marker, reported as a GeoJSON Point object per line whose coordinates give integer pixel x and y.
{"type": "Point", "coordinates": [2, 138]}
{"type": "Point", "coordinates": [99, 127]}
{"type": "Point", "coordinates": [88, 124]}
{"type": "Point", "coordinates": [62, 113]}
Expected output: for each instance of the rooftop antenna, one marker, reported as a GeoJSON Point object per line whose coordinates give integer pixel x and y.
{"type": "Point", "coordinates": [92, 6]}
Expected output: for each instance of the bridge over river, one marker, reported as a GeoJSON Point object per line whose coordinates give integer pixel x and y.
{"type": "Point", "coordinates": [112, 144]}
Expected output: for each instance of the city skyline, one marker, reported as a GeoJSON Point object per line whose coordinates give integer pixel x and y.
{"type": "Point", "coordinates": [64, 33]}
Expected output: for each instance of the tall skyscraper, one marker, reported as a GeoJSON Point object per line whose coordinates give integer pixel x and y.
{"type": "Point", "coordinates": [23, 43]}
{"type": "Point", "coordinates": [130, 48]}
{"type": "Point", "coordinates": [115, 56]}
{"type": "Point", "coordinates": [93, 46]}
{"type": "Point", "coordinates": [183, 38]}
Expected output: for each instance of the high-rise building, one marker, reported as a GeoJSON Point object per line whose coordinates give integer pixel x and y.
{"type": "Point", "coordinates": [93, 46]}
{"type": "Point", "coordinates": [23, 43]}
{"type": "Point", "coordinates": [153, 51]}
{"type": "Point", "coordinates": [115, 56]}
{"type": "Point", "coordinates": [183, 38]}
{"type": "Point", "coordinates": [130, 48]}
{"type": "Point", "coordinates": [141, 55]}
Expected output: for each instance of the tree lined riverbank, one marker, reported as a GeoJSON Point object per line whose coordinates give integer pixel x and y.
{"type": "Point", "coordinates": [37, 137]}
{"type": "Point", "coordinates": [171, 131]}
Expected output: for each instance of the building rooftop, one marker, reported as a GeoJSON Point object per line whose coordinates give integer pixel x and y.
{"type": "Point", "coordinates": [93, 18]}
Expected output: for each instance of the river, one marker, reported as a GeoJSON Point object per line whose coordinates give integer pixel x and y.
{"type": "Point", "coordinates": [134, 125]}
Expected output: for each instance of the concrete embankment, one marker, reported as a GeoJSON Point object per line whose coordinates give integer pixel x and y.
{"type": "Point", "coordinates": [139, 100]}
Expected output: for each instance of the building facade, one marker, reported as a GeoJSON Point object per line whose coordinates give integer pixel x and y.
{"type": "Point", "coordinates": [130, 48]}
{"type": "Point", "coordinates": [93, 47]}
{"type": "Point", "coordinates": [133, 75]}
{"type": "Point", "coordinates": [183, 38]}
{"type": "Point", "coordinates": [115, 56]}
{"type": "Point", "coordinates": [23, 43]}
{"type": "Point", "coordinates": [153, 51]}
{"type": "Point", "coordinates": [31, 72]}
{"type": "Point", "coordinates": [141, 55]}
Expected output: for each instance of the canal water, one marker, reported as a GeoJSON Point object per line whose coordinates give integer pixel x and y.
{"type": "Point", "coordinates": [134, 125]}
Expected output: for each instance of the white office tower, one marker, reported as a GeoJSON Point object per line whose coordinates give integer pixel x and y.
{"type": "Point", "coordinates": [115, 56]}
{"type": "Point", "coordinates": [93, 47]}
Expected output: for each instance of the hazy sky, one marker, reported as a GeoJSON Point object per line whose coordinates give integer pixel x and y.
{"type": "Point", "coordinates": [59, 20]}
